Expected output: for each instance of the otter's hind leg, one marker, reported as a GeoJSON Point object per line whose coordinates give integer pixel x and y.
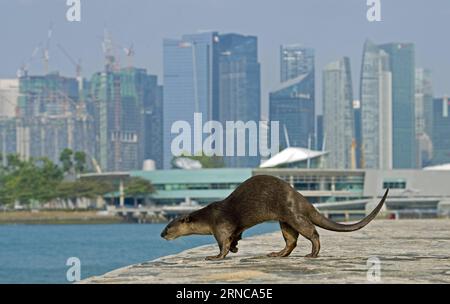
{"type": "Point", "coordinates": [290, 236]}
{"type": "Point", "coordinates": [308, 230]}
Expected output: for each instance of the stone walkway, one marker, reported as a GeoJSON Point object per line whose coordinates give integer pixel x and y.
{"type": "Point", "coordinates": [409, 251]}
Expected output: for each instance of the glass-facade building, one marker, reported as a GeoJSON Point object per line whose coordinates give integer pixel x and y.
{"type": "Point", "coordinates": [292, 104]}
{"type": "Point", "coordinates": [239, 88]}
{"type": "Point", "coordinates": [441, 131]}
{"type": "Point", "coordinates": [402, 67]}
{"type": "Point", "coordinates": [375, 143]}
{"type": "Point", "coordinates": [338, 115]}
{"type": "Point", "coordinates": [424, 116]}
{"type": "Point", "coordinates": [190, 78]}
{"type": "Point", "coordinates": [295, 60]}
{"type": "Point", "coordinates": [215, 75]}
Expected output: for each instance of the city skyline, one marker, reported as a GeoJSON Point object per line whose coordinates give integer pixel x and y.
{"type": "Point", "coordinates": [223, 65]}
{"type": "Point", "coordinates": [82, 39]}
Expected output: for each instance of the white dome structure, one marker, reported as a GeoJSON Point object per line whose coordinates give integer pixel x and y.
{"type": "Point", "coordinates": [438, 167]}
{"type": "Point", "coordinates": [291, 155]}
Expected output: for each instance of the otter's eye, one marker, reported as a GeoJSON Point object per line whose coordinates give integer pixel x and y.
{"type": "Point", "coordinates": [186, 219]}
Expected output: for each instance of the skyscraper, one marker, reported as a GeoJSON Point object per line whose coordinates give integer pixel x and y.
{"type": "Point", "coordinates": [190, 83]}
{"type": "Point", "coordinates": [215, 75]}
{"type": "Point", "coordinates": [424, 116]}
{"type": "Point", "coordinates": [402, 67]}
{"type": "Point", "coordinates": [153, 122]}
{"type": "Point", "coordinates": [376, 109]}
{"type": "Point", "coordinates": [292, 104]}
{"type": "Point", "coordinates": [295, 60]}
{"type": "Point", "coordinates": [338, 113]}
{"type": "Point", "coordinates": [441, 131]}
{"type": "Point", "coordinates": [239, 87]}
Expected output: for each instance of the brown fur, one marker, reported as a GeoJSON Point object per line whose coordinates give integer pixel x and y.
{"type": "Point", "coordinates": [259, 199]}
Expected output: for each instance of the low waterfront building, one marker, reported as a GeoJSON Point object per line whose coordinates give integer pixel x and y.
{"type": "Point", "coordinates": [410, 190]}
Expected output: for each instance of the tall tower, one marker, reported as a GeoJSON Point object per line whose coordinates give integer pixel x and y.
{"type": "Point", "coordinates": [292, 103]}
{"type": "Point", "coordinates": [190, 83]}
{"type": "Point", "coordinates": [239, 88]}
{"type": "Point", "coordinates": [424, 116]}
{"type": "Point", "coordinates": [217, 76]}
{"type": "Point", "coordinates": [338, 113]}
{"type": "Point", "coordinates": [376, 109]}
{"type": "Point", "coordinates": [402, 67]}
{"type": "Point", "coordinates": [441, 129]}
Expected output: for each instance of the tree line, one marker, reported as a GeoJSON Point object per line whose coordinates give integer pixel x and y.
{"type": "Point", "coordinates": [39, 180]}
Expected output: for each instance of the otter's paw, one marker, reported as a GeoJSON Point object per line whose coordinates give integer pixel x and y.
{"type": "Point", "coordinates": [311, 256]}
{"type": "Point", "coordinates": [234, 249]}
{"type": "Point", "coordinates": [214, 258]}
{"type": "Point", "coordinates": [274, 254]}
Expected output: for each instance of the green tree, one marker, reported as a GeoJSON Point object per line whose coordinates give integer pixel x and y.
{"type": "Point", "coordinates": [66, 160]}
{"type": "Point", "coordinates": [80, 161]}
{"type": "Point", "coordinates": [80, 188]}
{"type": "Point", "coordinates": [29, 181]}
{"type": "Point", "coordinates": [138, 187]}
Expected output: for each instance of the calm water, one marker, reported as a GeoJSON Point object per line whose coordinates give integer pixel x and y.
{"type": "Point", "coordinates": [38, 253]}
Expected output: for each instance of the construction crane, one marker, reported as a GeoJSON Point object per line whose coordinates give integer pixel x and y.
{"type": "Point", "coordinates": [77, 64]}
{"type": "Point", "coordinates": [129, 52]}
{"type": "Point", "coordinates": [46, 50]}
{"type": "Point", "coordinates": [108, 51]}
{"type": "Point", "coordinates": [24, 68]}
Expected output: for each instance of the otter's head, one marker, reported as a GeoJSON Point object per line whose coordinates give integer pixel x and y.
{"type": "Point", "coordinates": [178, 227]}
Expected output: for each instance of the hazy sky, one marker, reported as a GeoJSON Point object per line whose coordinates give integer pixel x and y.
{"type": "Point", "coordinates": [333, 28]}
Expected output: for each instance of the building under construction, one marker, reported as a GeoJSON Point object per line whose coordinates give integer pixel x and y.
{"type": "Point", "coordinates": [127, 110]}
{"type": "Point", "coordinates": [52, 114]}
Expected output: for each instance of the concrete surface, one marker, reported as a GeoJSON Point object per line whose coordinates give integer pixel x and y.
{"type": "Point", "coordinates": [409, 251]}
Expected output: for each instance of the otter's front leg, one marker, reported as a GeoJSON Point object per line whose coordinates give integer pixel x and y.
{"type": "Point", "coordinates": [234, 243]}
{"type": "Point", "coordinates": [224, 241]}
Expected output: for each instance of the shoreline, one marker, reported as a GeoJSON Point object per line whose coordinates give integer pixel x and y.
{"type": "Point", "coordinates": [57, 217]}
{"type": "Point", "coordinates": [408, 251]}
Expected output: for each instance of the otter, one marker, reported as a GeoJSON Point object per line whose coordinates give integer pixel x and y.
{"type": "Point", "coordinates": [259, 199]}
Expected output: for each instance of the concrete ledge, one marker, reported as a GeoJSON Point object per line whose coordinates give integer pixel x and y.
{"type": "Point", "coordinates": [410, 251]}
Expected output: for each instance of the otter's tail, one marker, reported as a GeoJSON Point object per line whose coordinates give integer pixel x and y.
{"type": "Point", "coordinates": [321, 221]}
